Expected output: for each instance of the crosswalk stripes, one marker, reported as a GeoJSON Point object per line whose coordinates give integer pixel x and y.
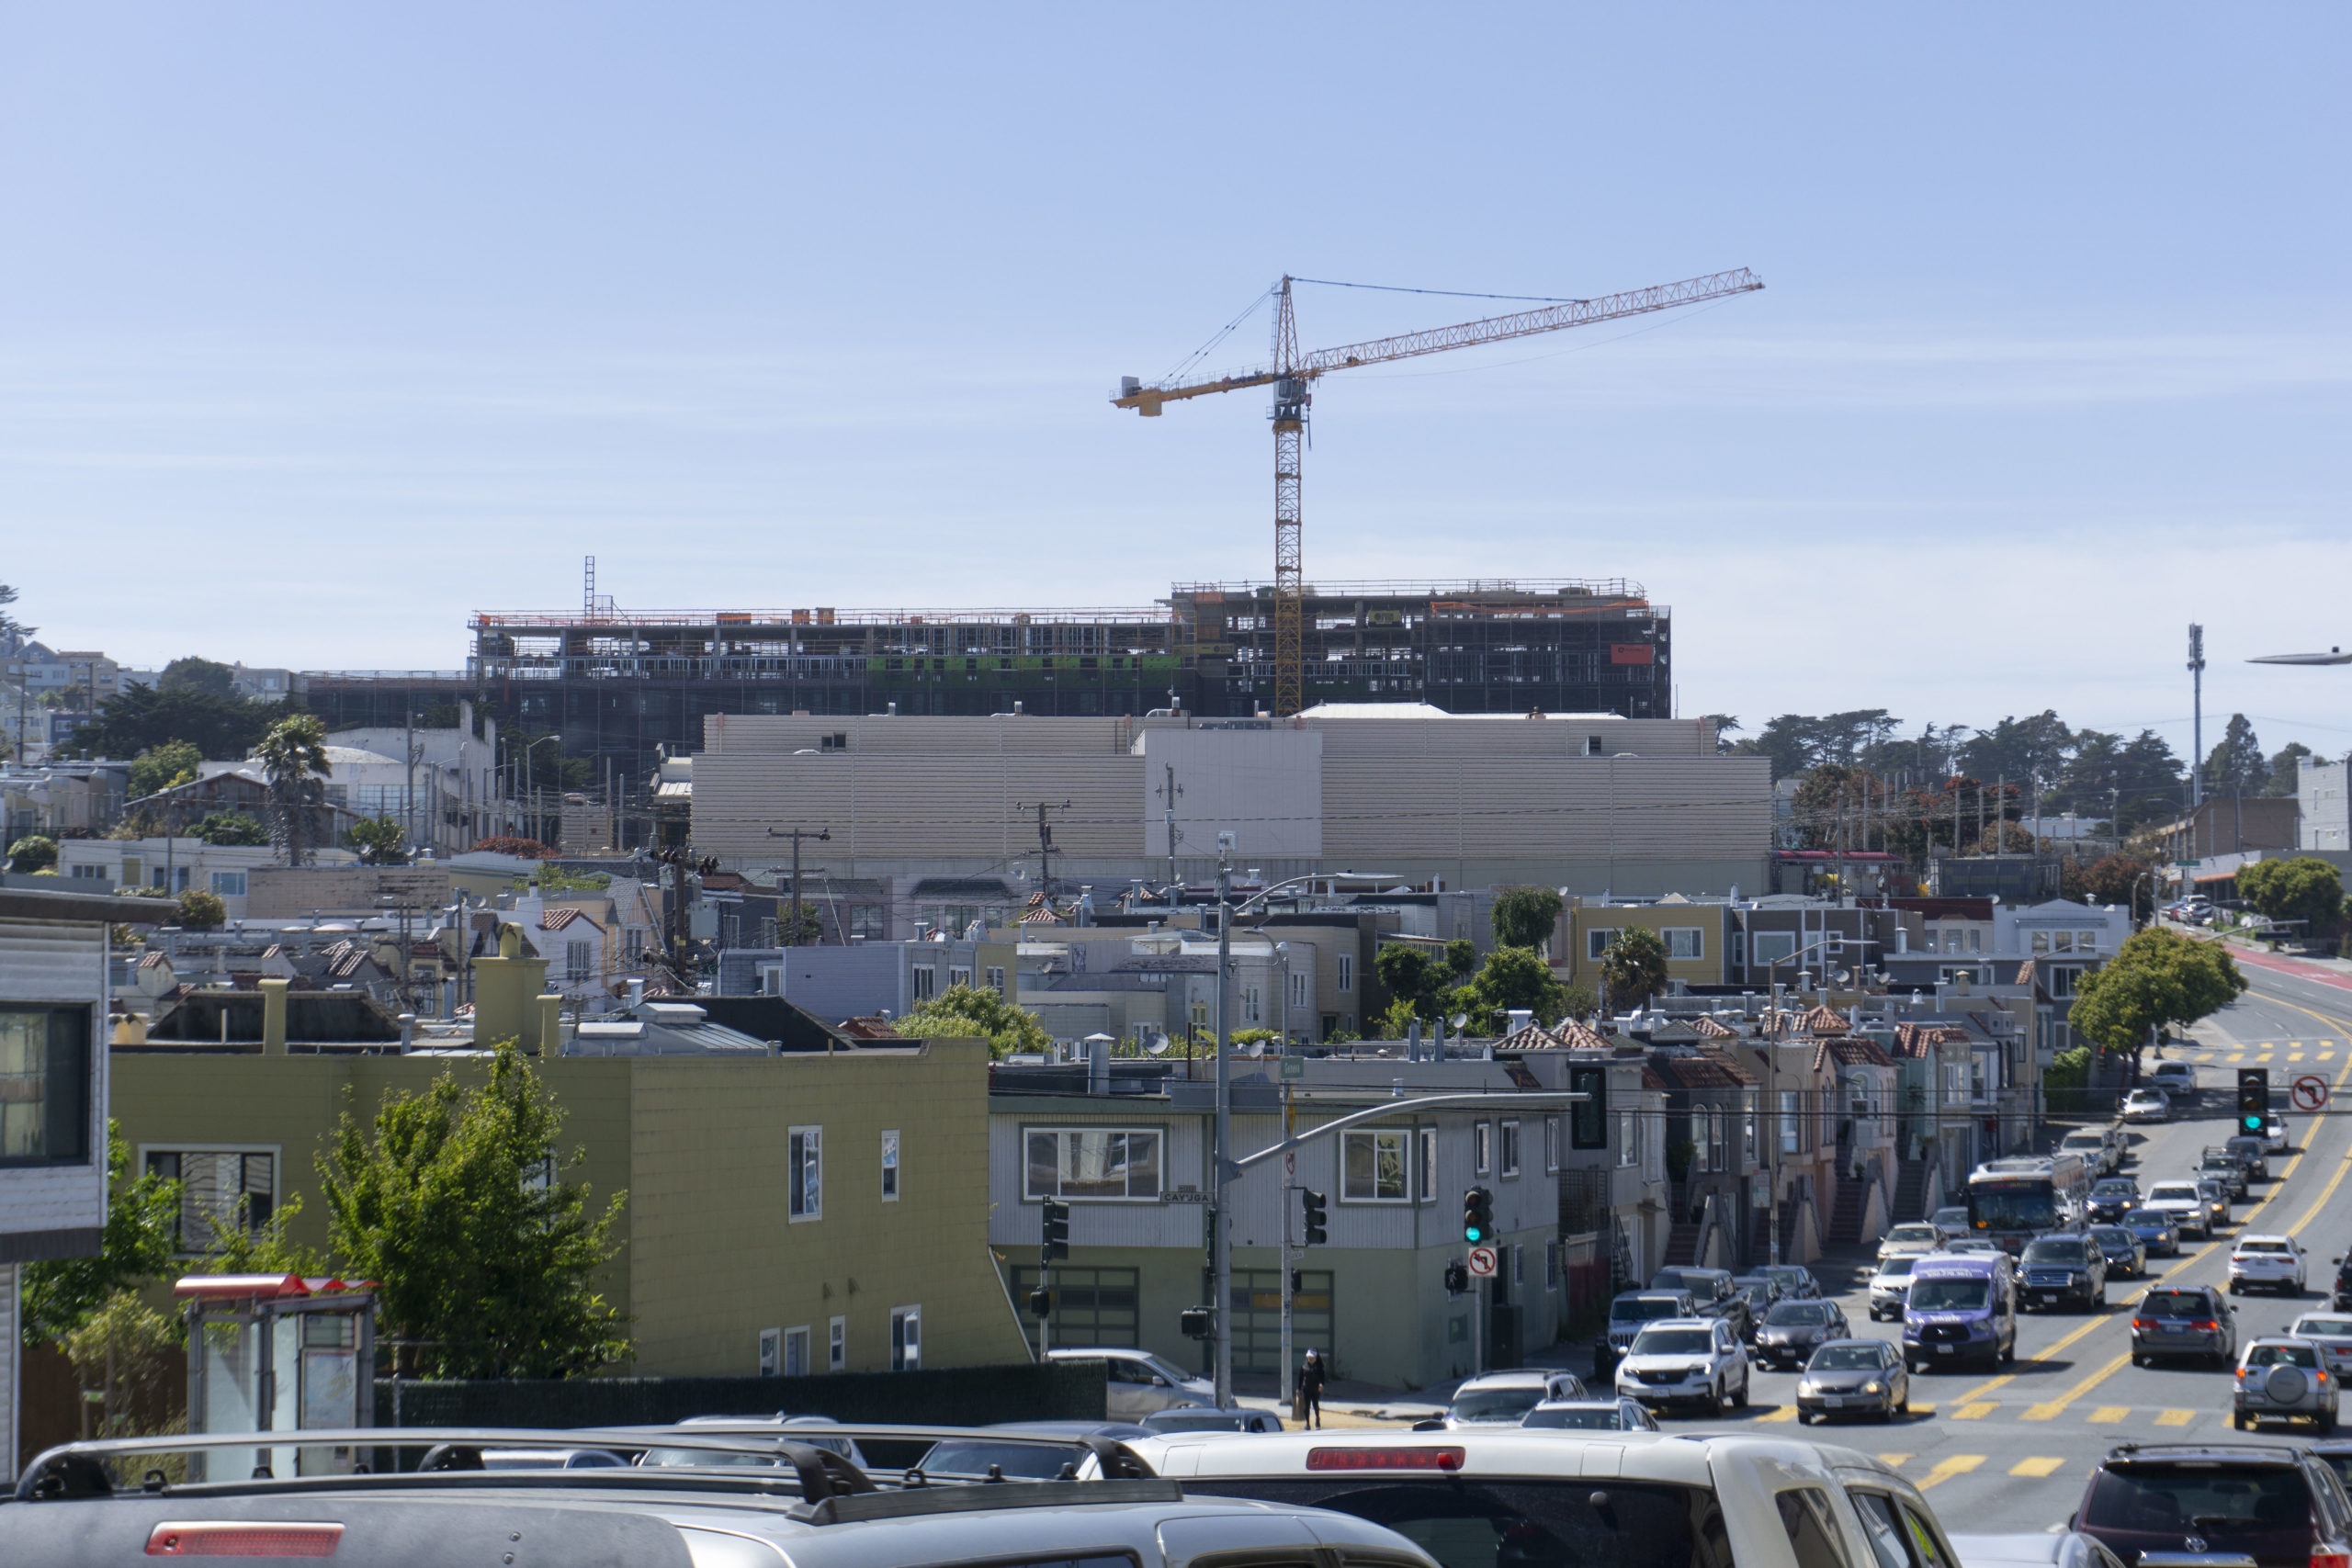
{"type": "Point", "coordinates": [1949, 1466]}
{"type": "Point", "coordinates": [2175, 1417]}
{"type": "Point", "coordinates": [1974, 1412]}
{"type": "Point", "coordinates": [2036, 1468]}
{"type": "Point", "coordinates": [2111, 1413]}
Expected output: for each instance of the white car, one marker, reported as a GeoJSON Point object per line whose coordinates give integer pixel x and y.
{"type": "Point", "coordinates": [2174, 1078]}
{"type": "Point", "coordinates": [2271, 1262]}
{"type": "Point", "coordinates": [1916, 1237]}
{"type": "Point", "coordinates": [1503, 1398]}
{"type": "Point", "coordinates": [1141, 1383]}
{"type": "Point", "coordinates": [2331, 1334]}
{"type": "Point", "coordinates": [2184, 1203]}
{"type": "Point", "coordinates": [1950, 1223]}
{"type": "Point", "coordinates": [2092, 1146]}
{"type": "Point", "coordinates": [1890, 1287]}
{"type": "Point", "coordinates": [2147, 1105]}
{"type": "Point", "coordinates": [1686, 1360]}
{"type": "Point", "coordinates": [2274, 1133]}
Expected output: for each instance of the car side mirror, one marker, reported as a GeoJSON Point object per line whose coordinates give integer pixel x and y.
{"type": "Point", "coordinates": [1158, 1381]}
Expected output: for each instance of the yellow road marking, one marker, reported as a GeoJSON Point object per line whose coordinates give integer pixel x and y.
{"type": "Point", "coordinates": [2294, 1055]}
{"type": "Point", "coordinates": [1957, 1464]}
{"type": "Point", "coordinates": [1785, 1413]}
{"type": "Point", "coordinates": [2035, 1467]}
{"type": "Point", "coordinates": [2111, 1413]}
{"type": "Point", "coordinates": [1892, 1459]}
{"type": "Point", "coordinates": [2049, 1410]}
{"type": "Point", "coordinates": [2175, 1417]}
{"type": "Point", "coordinates": [2234, 1056]}
{"type": "Point", "coordinates": [1974, 1412]}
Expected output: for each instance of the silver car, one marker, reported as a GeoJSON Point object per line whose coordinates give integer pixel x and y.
{"type": "Point", "coordinates": [1854, 1377]}
{"type": "Point", "coordinates": [1141, 1383]}
{"type": "Point", "coordinates": [1619, 1415]}
{"type": "Point", "coordinates": [2280, 1380]}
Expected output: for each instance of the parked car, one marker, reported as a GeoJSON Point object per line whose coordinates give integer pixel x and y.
{"type": "Point", "coordinates": [1795, 1280]}
{"type": "Point", "coordinates": [1889, 1285]}
{"type": "Point", "coordinates": [1793, 1330]}
{"type": "Point", "coordinates": [2126, 1253]}
{"type": "Point", "coordinates": [2243, 1503]}
{"type": "Point", "coordinates": [2091, 1143]}
{"type": "Point", "coordinates": [2113, 1198]}
{"type": "Point", "coordinates": [1208, 1419]}
{"type": "Point", "coordinates": [1854, 1377]}
{"type": "Point", "coordinates": [1761, 1291]}
{"type": "Point", "coordinates": [2147, 1105]}
{"type": "Point", "coordinates": [2267, 1262]}
{"type": "Point", "coordinates": [2254, 1152]}
{"type": "Point", "coordinates": [1692, 1361]}
{"type": "Point", "coordinates": [2157, 1228]}
{"type": "Point", "coordinates": [1141, 1383]}
{"type": "Point", "coordinates": [2220, 1165]}
{"type": "Point", "coordinates": [1914, 1237]}
{"type": "Point", "coordinates": [2065, 1270]}
{"type": "Point", "coordinates": [2194, 1321]}
{"type": "Point", "coordinates": [2184, 1205]}
{"type": "Point", "coordinates": [1630, 1311]}
{"type": "Point", "coordinates": [1592, 1415]}
{"type": "Point", "coordinates": [2333, 1334]}
{"type": "Point", "coordinates": [1501, 1398]}
{"type": "Point", "coordinates": [1015, 1449]}
{"type": "Point", "coordinates": [2281, 1378]}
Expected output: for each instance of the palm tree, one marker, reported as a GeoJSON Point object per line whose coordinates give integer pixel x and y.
{"type": "Point", "coordinates": [293, 757]}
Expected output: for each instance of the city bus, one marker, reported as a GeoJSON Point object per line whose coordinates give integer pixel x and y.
{"type": "Point", "coordinates": [2010, 1201]}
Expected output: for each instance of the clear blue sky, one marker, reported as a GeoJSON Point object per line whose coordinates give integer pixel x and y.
{"type": "Point", "coordinates": [322, 326]}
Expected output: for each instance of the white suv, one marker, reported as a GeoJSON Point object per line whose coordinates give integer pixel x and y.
{"type": "Point", "coordinates": [2184, 1203]}
{"type": "Point", "coordinates": [1502, 1398]}
{"type": "Point", "coordinates": [1686, 1360]}
{"type": "Point", "coordinates": [2273, 1262]}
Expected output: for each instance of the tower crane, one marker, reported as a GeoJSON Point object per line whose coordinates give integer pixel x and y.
{"type": "Point", "coordinates": [1292, 376]}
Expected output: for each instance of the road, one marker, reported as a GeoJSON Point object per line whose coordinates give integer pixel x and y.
{"type": "Point", "coordinates": [2009, 1452]}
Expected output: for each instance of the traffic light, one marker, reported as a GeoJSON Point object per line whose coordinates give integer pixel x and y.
{"type": "Point", "coordinates": [1316, 1216]}
{"type": "Point", "coordinates": [2254, 1098]}
{"type": "Point", "coordinates": [1194, 1322]}
{"type": "Point", "coordinates": [1298, 1282]}
{"type": "Point", "coordinates": [1477, 1216]}
{"type": "Point", "coordinates": [1056, 1222]}
{"type": "Point", "coordinates": [1457, 1277]}
{"type": "Point", "coordinates": [1041, 1302]}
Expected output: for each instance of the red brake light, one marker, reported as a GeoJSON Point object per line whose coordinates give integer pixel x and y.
{"type": "Point", "coordinates": [1400, 1458]}
{"type": "Point", "coordinates": [2144, 1323]}
{"type": "Point", "coordinates": [2207, 1325]}
{"type": "Point", "coordinates": [2323, 1559]}
{"type": "Point", "coordinates": [237, 1538]}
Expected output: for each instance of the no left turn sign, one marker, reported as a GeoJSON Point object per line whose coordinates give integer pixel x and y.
{"type": "Point", "coordinates": [2310, 1092]}
{"type": "Point", "coordinates": [1482, 1263]}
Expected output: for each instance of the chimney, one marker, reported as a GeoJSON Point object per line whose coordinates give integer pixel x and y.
{"type": "Point", "coordinates": [551, 1031]}
{"type": "Point", "coordinates": [273, 1017]}
{"type": "Point", "coordinates": [503, 988]}
{"type": "Point", "coordinates": [1516, 1018]}
{"type": "Point", "coordinates": [407, 1032]}
{"type": "Point", "coordinates": [636, 992]}
{"type": "Point", "coordinates": [1097, 1064]}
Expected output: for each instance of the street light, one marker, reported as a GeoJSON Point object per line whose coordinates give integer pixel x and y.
{"type": "Point", "coordinates": [523, 781]}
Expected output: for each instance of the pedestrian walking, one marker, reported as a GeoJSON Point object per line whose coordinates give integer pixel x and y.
{"type": "Point", "coordinates": [1310, 1390]}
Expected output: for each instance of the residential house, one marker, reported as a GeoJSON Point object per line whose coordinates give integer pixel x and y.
{"type": "Point", "coordinates": [868, 977]}
{"type": "Point", "coordinates": [2324, 804]}
{"type": "Point", "coordinates": [1711, 1107]}
{"type": "Point", "coordinates": [175, 864]}
{"type": "Point", "coordinates": [1696, 936]}
{"type": "Point", "coordinates": [2233, 825]}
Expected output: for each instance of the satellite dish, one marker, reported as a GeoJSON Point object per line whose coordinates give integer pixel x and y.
{"type": "Point", "coordinates": [1461, 1019]}
{"type": "Point", "coordinates": [1158, 1047]}
{"type": "Point", "coordinates": [1841, 977]}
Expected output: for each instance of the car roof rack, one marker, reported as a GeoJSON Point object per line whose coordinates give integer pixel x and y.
{"type": "Point", "coordinates": [915, 1501]}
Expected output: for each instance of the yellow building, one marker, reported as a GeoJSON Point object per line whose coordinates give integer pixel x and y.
{"type": "Point", "coordinates": [807, 1211]}
{"type": "Point", "coordinates": [1696, 939]}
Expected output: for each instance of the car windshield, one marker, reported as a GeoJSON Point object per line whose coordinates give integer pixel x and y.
{"type": "Point", "coordinates": [2323, 1327]}
{"type": "Point", "coordinates": [1168, 1369]}
{"type": "Point", "coordinates": [2022, 1209]}
{"type": "Point", "coordinates": [1790, 1275]}
{"type": "Point", "coordinates": [2082, 1141]}
{"type": "Point", "coordinates": [1845, 1358]}
{"type": "Point", "coordinates": [1641, 1309]}
{"type": "Point", "coordinates": [2220, 1162]}
{"type": "Point", "coordinates": [1956, 1214]}
{"type": "Point", "coordinates": [1755, 1285]}
{"type": "Point", "coordinates": [2173, 1500]}
{"type": "Point", "coordinates": [2282, 1355]}
{"type": "Point", "coordinates": [1809, 1314]}
{"type": "Point", "coordinates": [1674, 1342]}
{"type": "Point", "coordinates": [1194, 1421]}
{"type": "Point", "coordinates": [1948, 1295]}
{"type": "Point", "coordinates": [1578, 1417]}
{"type": "Point", "coordinates": [2113, 1235]}
{"type": "Point", "coordinates": [1494, 1404]}
{"type": "Point", "coordinates": [2111, 1187]}
{"type": "Point", "coordinates": [2051, 1249]}
{"type": "Point", "coordinates": [1915, 1233]}
{"type": "Point", "coordinates": [1894, 1268]}
{"type": "Point", "coordinates": [2174, 1192]}
{"type": "Point", "coordinates": [1468, 1523]}
{"type": "Point", "coordinates": [2176, 1303]}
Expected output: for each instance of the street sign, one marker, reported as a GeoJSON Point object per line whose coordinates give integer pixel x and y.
{"type": "Point", "coordinates": [1482, 1263]}
{"type": "Point", "coordinates": [2310, 1092]}
{"type": "Point", "coordinates": [1294, 1066]}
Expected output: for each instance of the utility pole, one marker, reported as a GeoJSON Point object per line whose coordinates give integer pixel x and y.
{"type": "Point", "coordinates": [1168, 794]}
{"type": "Point", "coordinates": [1045, 846]}
{"type": "Point", "coordinates": [796, 835]}
{"type": "Point", "coordinates": [1221, 1155]}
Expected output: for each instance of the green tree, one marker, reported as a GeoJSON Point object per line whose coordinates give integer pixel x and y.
{"type": "Point", "coordinates": [224, 728]}
{"type": "Point", "coordinates": [293, 758]}
{"type": "Point", "coordinates": [232, 828]}
{"type": "Point", "coordinates": [122, 1353]}
{"type": "Point", "coordinates": [969, 1011]}
{"type": "Point", "coordinates": [2304, 889]}
{"type": "Point", "coordinates": [2286, 767]}
{"type": "Point", "coordinates": [2117, 879]}
{"type": "Point", "coordinates": [1512, 979]}
{"type": "Point", "coordinates": [2237, 765]}
{"type": "Point", "coordinates": [507, 844]}
{"type": "Point", "coordinates": [457, 1201]}
{"type": "Point", "coordinates": [160, 767]}
{"type": "Point", "coordinates": [380, 841]}
{"type": "Point", "coordinates": [2156, 979]}
{"type": "Point", "coordinates": [1725, 726]}
{"type": "Point", "coordinates": [1634, 967]}
{"type": "Point", "coordinates": [1414, 977]}
{"type": "Point", "coordinates": [32, 852]}
{"type": "Point", "coordinates": [201, 909]}
{"type": "Point", "coordinates": [204, 677]}
{"type": "Point", "coordinates": [1524, 916]}
{"type": "Point", "coordinates": [11, 628]}
{"type": "Point", "coordinates": [1461, 957]}
{"type": "Point", "coordinates": [141, 1234]}
{"type": "Point", "coordinates": [553, 878]}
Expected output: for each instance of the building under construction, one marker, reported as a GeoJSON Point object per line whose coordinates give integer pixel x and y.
{"type": "Point", "coordinates": [616, 684]}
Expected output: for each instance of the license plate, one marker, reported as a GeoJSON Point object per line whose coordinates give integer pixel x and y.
{"type": "Point", "coordinates": [1833, 1401]}
{"type": "Point", "coordinates": [1945, 1349]}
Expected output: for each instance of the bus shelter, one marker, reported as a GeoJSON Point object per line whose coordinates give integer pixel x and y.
{"type": "Point", "coordinates": [277, 1353]}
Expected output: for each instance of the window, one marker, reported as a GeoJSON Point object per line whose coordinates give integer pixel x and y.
{"type": "Point", "coordinates": [926, 984]}
{"type": "Point", "coordinates": [1699, 1140]}
{"type": "Point", "coordinates": [1551, 1143]}
{"type": "Point", "coordinates": [1250, 1012]}
{"type": "Point", "coordinates": [1739, 950]}
{"type": "Point", "coordinates": [221, 1191]}
{"type": "Point", "coordinates": [1812, 1527]}
{"type": "Point", "coordinates": [806, 1154]}
{"type": "Point", "coordinates": [579, 963]}
{"type": "Point", "coordinates": [1482, 1146]}
{"type": "Point", "coordinates": [2061, 982]}
{"type": "Point", "coordinates": [1685, 941]}
{"type": "Point", "coordinates": [1629, 1139]}
{"type": "Point", "coordinates": [996, 979]}
{"type": "Point", "coordinates": [1510, 1148]}
{"type": "Point", "coordinates": [1718, 1154]}
{"type": "Point", "coordinates": [1773, 947]}
{"type": "Point", "coordinates": [1347, 971]}
{"type": "Point", "coordinates": [1518, 1263]}
{"type": "Point", "coordinates": [2087, 941]}
{"type": "Point", "coordinates": [1428, 1188]}
{"type": "Point", "coordinates": [1589, 1120]}
{"type": "Point", "coordinates": [906, 1338]}
{"type": "Point", "coordinates": [229, 884]}
{"type": "Point", "coordinates": [959, 974]}
{"type": "Point", "coordinates": [44, 1085]}
{"type": "Point", "coordinates": [1975, 940]}
{"type": "Point", "coordinates": [1298, 990]}
{"type": "Point", "coordinates": [1200, 1016]}
{"type": "Point", "coordinates": [1372, 1165]}
{"type": "Point", "coordinates": [771, 1351]}
{"type": "Point", "coordinates": [867, 920]}
{"type": "Point", "coordinates": [88, 873]}
{"type": "Point", "coordinates": [1093, 1164]}
{"type": "Point", "coordinates": [837, 1345]}
{"type": "Point", "coordinates": [2041, 942]}
{"type": "Point", "coordinates": [890, 1168]}
{"type": "Point", "coordinates": [767, 932]}
{"type": "Point", "coordinates": [1597, 940]}
{"type": "Point", "coordinates": [795, 1352]}
{"type": "Point", "coordinates": [1789, 1130]}
{"type": "Point", "coordinates": [1550, 1265]}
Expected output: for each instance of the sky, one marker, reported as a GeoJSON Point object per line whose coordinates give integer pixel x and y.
{"type": "Point", "coordinates": [323, 327]}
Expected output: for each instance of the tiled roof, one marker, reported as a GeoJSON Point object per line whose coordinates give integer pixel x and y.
{"type": "Point", "coordinates": [557, 919]}
{"type": "Point", "coordinates": [1529, 1037]}
{"type": "Point", "coordinates": [153, 961]}
{"type": "Point", "coordinates": [1855, 1051]}
{"type": "Point", "coordinates": [1650, 1080]}
{"type": "Point", "coordinates": [1713, 1029]}
{"type": "Point", "coordinates": [1824, 1019]}
{"type": "Point", "coordinates": [1918, 1039]}
{"type": "Point", "coordinates": [1705, 1069]}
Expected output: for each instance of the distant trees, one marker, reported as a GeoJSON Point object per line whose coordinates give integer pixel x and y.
{"type": "Point", "coordinates": [507, 844]}
{"type": "Point", "coordinates": [380, 841]}
{"type": "Point", "coordinates": [2117, 879]}
{"type": "Point", "coordinates": [2305, 891]}
{"type": "Point", "coordinates": [33, 852]}
{"type": "Point", "coordinates": [2286, 767]}
{"type": "Point", "coordinates": [2156, 979]}
{"type": "Point", "coordinates": [163, 767]}
{"type": "Point", "coordinates": [2237, 765]}
{"type": "Point", "coordinates": [1524, 916]}
{"type": "Point", "coordinates": [977, 1011]}
{"type": "Point", "coordinates": [230, 828]}
{"type": "Point", "coordinates": [1633, 967]}
{"type": "Point", "coordinates": [201, 909]}
{"type": "Point", "coordinates": [221, 725]}
{"type": "Point", "coordinates": [293, 758]}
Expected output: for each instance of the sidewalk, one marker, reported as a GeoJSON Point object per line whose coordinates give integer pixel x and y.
{"type": "Point", "coordinates": [2336, 972]}
{"type": "Point", "coordinates": [1352, 1403]}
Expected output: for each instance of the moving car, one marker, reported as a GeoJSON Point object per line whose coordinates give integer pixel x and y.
{"type": "Point", "coordinates": [2147, 1105]}
{"type": "Point", "coordinates": [2242, 1502]}
{"type": "Point", "coordinates": [2281, 1378]}
{"type": "Point", "coordinates": [2331, 1334]}
{"type": "Point", "coordinates": [1793, 1330]}
{"type": "Point", "coordinates": [2158, 1229]}
{"type": "Point", "coordinates": [1501, 1398]}
{"type": "Point", "coordinates": [2184, 1321]}
{"type": "Point", "coordinates": [1854, 1377]}
{"type": "Point", "coordinates": [2220, 1165]}
{"type": "Point", "coordinates": [1713, 1291]}
{"type": "Point", "coordinates": [2126, 1253]}
{"type": "Point", "coordinates": [1141, 1383]}
{"type": "Point", "coordinates": [2267, 1262]}
{"type": "Point", "coordinates": [2253, 1151]}
{"type": "Point", "coordinates": [2186, 1207]}
{"type": "Point", "coordinates": [1961, 1310]}
{"type": "Point", "coordinates": [1629, 1313]}
{"type": "Point", "coordinates": [1950, 1223]}
{"type": "Point", "coordinates": [2113, 1198]}
{"type": "Point", "coordinates": [2100, 1155]}
{"type": "Point", "coordinates": [1794, 1279]}
{"type": "Point", "coordinates": [2274, 1133]}
{"type": "Point", "coordinates": [1692, 1361]}
{"type": "Point", "coordinates": [1592, 1415]}
{"type": "Point", "coordinates": [2065, 1270]}
{"type": "Point", "coordinates": [1889, 1285]}
{"type": "Point", "coordinates": [2174, 1078]}
{"type": "Point", "coordinates": [2062, 1549]}
{"type": "Point", "coordinates": [1916, 1237]}
{"type": "Point", "coordinates": [2216, 1195]}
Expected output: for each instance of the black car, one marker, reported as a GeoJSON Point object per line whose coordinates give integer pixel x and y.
{"type": "Point", "coordinates": [2113, 1198]}
{"type": "Point", "coordinates": [2340, 1297]}
{"type": "Point", "coordinates": [1794, 1329]}
{"type": "Point", "coordinates": [1713, 1291]}
{"type": "Point", "coordinates": [1794, 1280]}
{"type": "Point", "coordinates": [2068, 1268]}
{"type": "Point", "coordinates": [2184, 1320]}
{"type": "Point", "coordinates": [2217, 1503]}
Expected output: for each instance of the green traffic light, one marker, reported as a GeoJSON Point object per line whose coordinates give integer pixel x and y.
{"type": "Point", "coordinates": [1473, 1234]}
{"type": "Point", "coordinates": [2253, 1123]}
